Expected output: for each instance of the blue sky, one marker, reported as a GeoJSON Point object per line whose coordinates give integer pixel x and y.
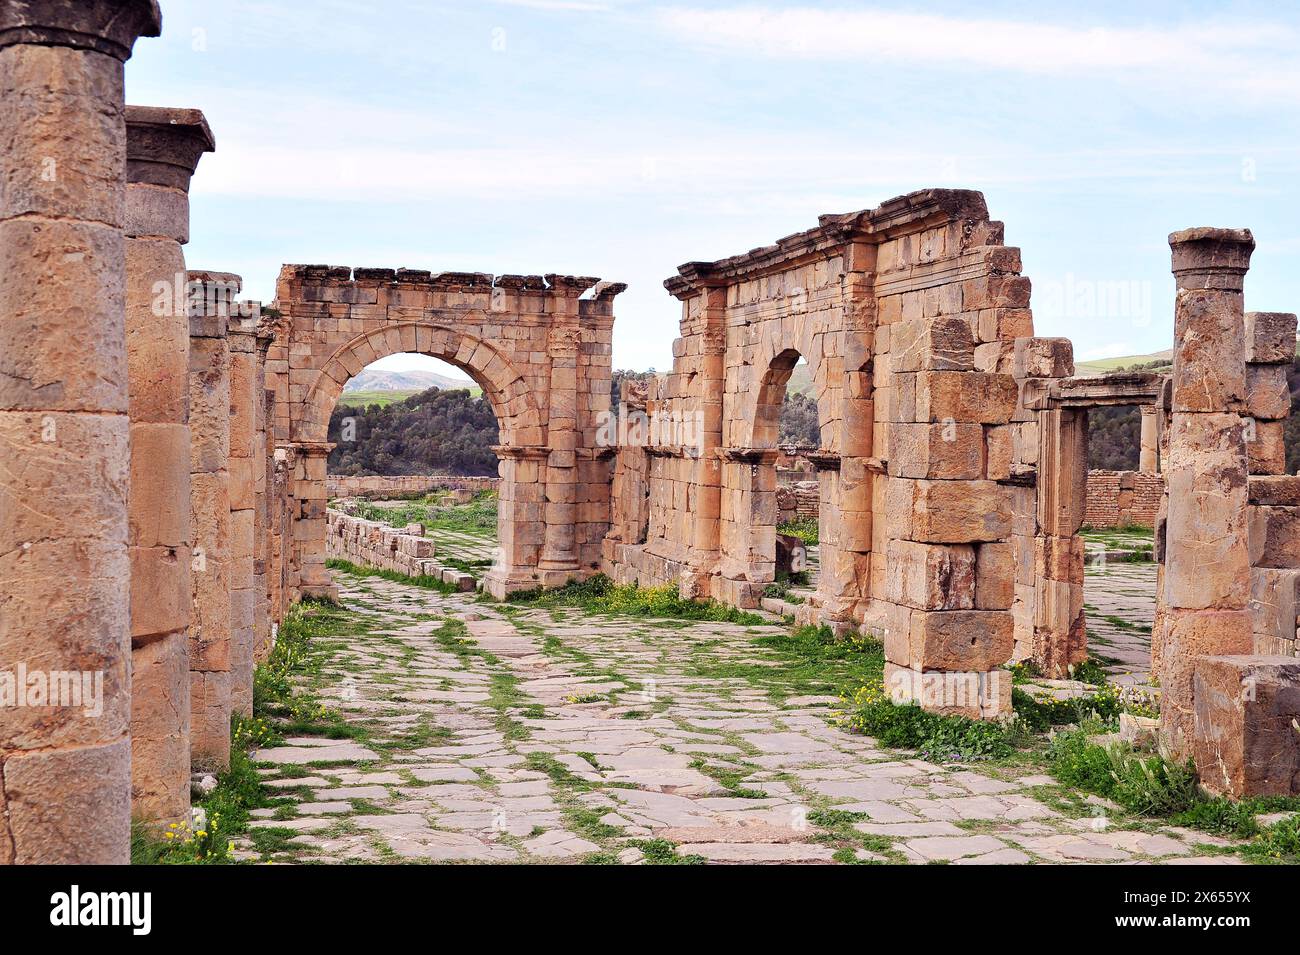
{"type": "Point", "coordinates": [621, 138]}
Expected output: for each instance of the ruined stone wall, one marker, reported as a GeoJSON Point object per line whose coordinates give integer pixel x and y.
{"type": "Point", "coordinates": [378, 485]}
{"type": "Point", "coordinates": [374, 544]}
{"type": "Point", "coordinates": [1123, 499]}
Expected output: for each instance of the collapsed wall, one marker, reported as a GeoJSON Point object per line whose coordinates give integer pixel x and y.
{"type": "Point", "coordinates": [376, 545]}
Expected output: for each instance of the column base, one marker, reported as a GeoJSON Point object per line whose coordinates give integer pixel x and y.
{"type": "Point", "coordinates": [328, 591]}
{"type": "Point", "coordinates": [502, 583]}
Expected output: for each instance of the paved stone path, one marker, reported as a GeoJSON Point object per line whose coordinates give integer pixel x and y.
{"type": "Point", "coordinates": [1120, 607]}
{"type": "Point", "coordinates": [503, 734]}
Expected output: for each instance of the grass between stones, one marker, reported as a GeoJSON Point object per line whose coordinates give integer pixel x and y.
{"type": "Point", "coordinates": [427, 581]}
{"type": "Point", "coordinates": [600, 595]}
{"type": "Point", "coordinates": [478, 517]}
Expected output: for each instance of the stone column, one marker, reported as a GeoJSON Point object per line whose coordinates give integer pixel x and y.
{"type": "Point", "coordinates": [837, 588]}
{"type": "Point", "coordinates": [263, 478]}
{"type": "Point", "coordinates": [163, 149]}
{"type": "Point", "coordinates": [242, 466]}
{"type": "Point", "coordinates": [311, 462]}
{"type": "Point", "coordinates": [857, 431]}
{"type": "Point", "coordinates": [521, 527]}
{"type": "Point", "coordinates": [1060, 636]}
{"type": "Point", "coordinates": [748, 562]}
{"type": "Point", "coordinates": [707, 490]}
{"type": "Point", "coordinates": [1207, 565]}
{"type": "Point", "coordinates": [64, 569]}
{"type": "Point", "coordinates": [1149, 458]}
{"type": "Point", "coordinates": [210, 705]}
{"type": "Point", "coordinates": [559, 560]}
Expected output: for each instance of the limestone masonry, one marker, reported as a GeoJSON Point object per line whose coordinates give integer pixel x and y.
{"type": "Point", "coordinates": [163, 490]}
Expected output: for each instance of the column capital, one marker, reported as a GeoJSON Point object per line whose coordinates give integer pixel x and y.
{"type": "Point", "coordinates": [1211, 258]}
{"type": "Point", "coordinates": [110, 27]}
{"type": "Point", "coordinates": [164, 145]}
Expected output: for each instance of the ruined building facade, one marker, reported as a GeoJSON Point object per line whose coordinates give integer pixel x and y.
{"type": "Point", "coordinates": [163, 483]}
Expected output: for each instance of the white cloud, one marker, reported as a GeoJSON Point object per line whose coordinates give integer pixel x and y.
{"type": "Point", "coordinates": [1191, 53]}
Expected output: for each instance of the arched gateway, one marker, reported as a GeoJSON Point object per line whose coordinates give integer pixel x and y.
{"type": "Point", "coordinates": [539, 350]}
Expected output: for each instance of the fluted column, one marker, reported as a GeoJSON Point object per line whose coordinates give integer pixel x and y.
{"type": "Point", "coordinates": [163, 149]}
{"type": "Point", "coordinates": [64, 569]}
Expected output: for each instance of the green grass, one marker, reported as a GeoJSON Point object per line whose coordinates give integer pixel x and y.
{"type": "Point", "coordinates": [364, 399]}
{"type": "Point", "coordinates": [804, 528]}
{"type": "Point", "coordinates": [600, 595]}
{"type": "Point", "coordinates": [436, 511]}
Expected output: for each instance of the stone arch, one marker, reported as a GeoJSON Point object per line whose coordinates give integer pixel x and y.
{"type": "Point", "coordinates": [516, 408]}
{"type": "Point", "coordinates": [762, 406]}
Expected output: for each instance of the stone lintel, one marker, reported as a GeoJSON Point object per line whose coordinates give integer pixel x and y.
{"type": "Point", "coordinates": [1120, 388]}
{"type": "Point", "coordinates": [110, 27]}
{"type": "Point", "coordinates": [164, 145]}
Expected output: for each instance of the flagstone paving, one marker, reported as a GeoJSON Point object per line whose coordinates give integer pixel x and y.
{"type": "Point", "coordinates": [1120, 608]}
{"type": "Point", "coordinates": [505, 734]}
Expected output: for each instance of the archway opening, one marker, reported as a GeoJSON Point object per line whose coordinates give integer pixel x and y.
{"type": "Point", "coordinates": [410, 414]}
{"type": "Point", "coordinates": [788, 420]}
{"type": "Point", "coordinates": [1123, 494]}
{"type": "Point", "coordinates": [413, 439]}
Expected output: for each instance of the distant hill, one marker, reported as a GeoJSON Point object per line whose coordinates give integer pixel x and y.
{"type": "Point", "coordinates": [374, 379]}
{"type": "Point", "coordinates": [1100, 366]}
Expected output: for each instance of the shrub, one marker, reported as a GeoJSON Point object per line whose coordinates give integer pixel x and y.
{"type": "Point", "coordinates": [935, 737]}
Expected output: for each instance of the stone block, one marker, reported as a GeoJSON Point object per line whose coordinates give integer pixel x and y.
{"type": "Point", "coordinates": [1278, 490]}
{"type": "Point", "coordinates": [1275, 536]}
{"type": "Point", "coordinates": [943, 396]}
{"type": "Point", "coordinates": [1265, 447]}
{"type": "Point", "coordinates": [935, 344]}
{"type": "Point", "coordinates": [965, 640]}
{"type": "Point", "coordinates": [1246, 725]}
{"type": "Point", "coordinates": [948, 512]}
{"type": "Point", "coordinates": [951, 451]}
{"type": "Point", "coordinates": [1267, 394]}
{"type": "Point", "coordinates": [931, 576]}
{"type": "Point", "coordinates": [995, 576]}
{"type": "Point", "coordinates": [973, 695]}
{"type": "Point", "coordinates": [1270, 337]}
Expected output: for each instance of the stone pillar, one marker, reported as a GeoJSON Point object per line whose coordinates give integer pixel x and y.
{"type": "Point", "coordinates": [521, 527]}
{"type": "Point", "coordinates": [748, 562]}
{"type": "Point", "coordinates": [709, 385]}
{"type": "Point", "coordinates": [210, 705]}
{"type": "Point", "coordinates": [559, 560]}
{"type": "Point", "coordinates": [64, 567]}
{"type": "Point", "coordinates": [311, 462]}
{"type": "Point", "coordinates": [1149, 457]}
{"type": "Point", "coordinates": [1060, 638]}
{"type": "Point", "coordinates": [856, 479]}
{"type": "Point", "coordinates": [163, 149]}
{"type": "Point", "coordinates": [245, 399]}
{"type": "Point", "coordinates": [263, 478]}
{"type": "Point", "coordinates": [949, 581]}
{"type": "Point", "coordinates": [1207, 565]}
